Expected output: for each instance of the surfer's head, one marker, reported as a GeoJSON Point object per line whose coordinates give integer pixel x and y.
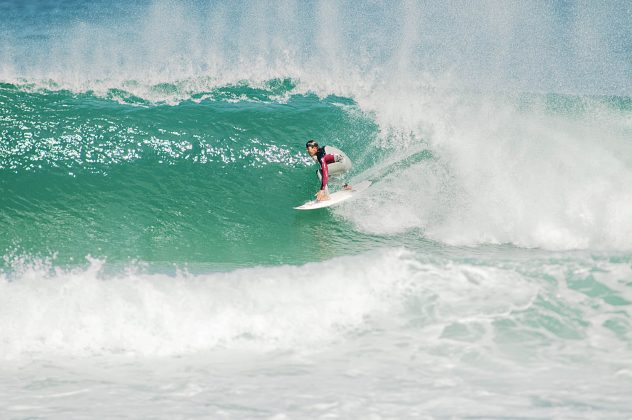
{"type": "Point", "coordinates": [312, 147]}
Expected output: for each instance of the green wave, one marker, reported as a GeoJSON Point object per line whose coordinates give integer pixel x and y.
{"type": "Point", "coordinates": [212, 181]}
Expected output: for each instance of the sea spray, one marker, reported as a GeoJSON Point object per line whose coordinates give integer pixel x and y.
{"type": "Point", "coordinates": [508, 169]}
{"type": "Point", "coordinates": [325, 45]}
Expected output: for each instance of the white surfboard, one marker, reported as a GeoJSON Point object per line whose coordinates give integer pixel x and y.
{"type": "Point", "coordinates": [335, 198]}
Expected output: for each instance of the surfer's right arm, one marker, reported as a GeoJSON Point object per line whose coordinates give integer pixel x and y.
{"type": "Point", "coordinates": [324, 171]}
{"type": "Point", "coordinates": [322, 195]}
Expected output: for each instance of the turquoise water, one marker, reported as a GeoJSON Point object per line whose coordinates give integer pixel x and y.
{"type": "Point", "coordinates": [153, 266]}
{"type": "Point", "coordinates": [210, 182]}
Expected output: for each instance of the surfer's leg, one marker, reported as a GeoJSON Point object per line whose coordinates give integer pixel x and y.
{"type": "Point", "coordinates": [346, 185]}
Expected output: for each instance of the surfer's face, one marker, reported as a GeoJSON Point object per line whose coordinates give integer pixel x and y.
{"type": "Point", "coordinates": [312, 150]}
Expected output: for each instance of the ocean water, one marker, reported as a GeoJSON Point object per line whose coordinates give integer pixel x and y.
{"type": "Point", "coordinates": [153, 266]}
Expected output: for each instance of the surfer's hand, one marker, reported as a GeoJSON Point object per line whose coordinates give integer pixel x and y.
{"type": "Point", "coordinates": [321, 195]}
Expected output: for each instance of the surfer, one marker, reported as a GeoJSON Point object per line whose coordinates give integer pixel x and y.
{"type": "Point", "coordinates": [327, 156]}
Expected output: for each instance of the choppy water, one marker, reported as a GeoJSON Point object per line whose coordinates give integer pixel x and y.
{"type": "Point", "coordinates": [153, 266]}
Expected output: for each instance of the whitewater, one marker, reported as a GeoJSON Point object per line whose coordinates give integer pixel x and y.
{"type": "Point", "coordinates": [151, 154]}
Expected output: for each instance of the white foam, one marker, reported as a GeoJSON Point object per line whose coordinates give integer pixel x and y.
{"type": "Point", "coordinates": [538, 334]}
{"type": "Point", "coordinates": [503, 173]}
{"type": "Point", "coordinates": [47, 312]}
{"type": "Point", "coordinates": [82, 311]}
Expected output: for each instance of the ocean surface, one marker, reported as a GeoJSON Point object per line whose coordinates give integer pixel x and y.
{"type": "Point", "coordinates": [153, 266]}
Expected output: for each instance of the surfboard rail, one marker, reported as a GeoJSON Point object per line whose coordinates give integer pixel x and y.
{"type": "Point", "coordinates": [335, 197]}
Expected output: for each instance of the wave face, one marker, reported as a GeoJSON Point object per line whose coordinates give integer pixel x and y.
{"type": "Point", "coordinates": [121, 177]}
{"type": "Point", "coordinates": [160, 125]}
{"type": "Point", "coordinates": [210, 180]}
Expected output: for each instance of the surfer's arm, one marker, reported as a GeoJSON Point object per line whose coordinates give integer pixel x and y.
{"type": "Point", "coordinates": [321, 195]}
{"type": "Point", "coordinates": [324, 170]}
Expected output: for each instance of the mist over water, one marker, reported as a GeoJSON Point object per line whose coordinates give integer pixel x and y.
{"type": "Point", "coordinates": [559, 47]}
